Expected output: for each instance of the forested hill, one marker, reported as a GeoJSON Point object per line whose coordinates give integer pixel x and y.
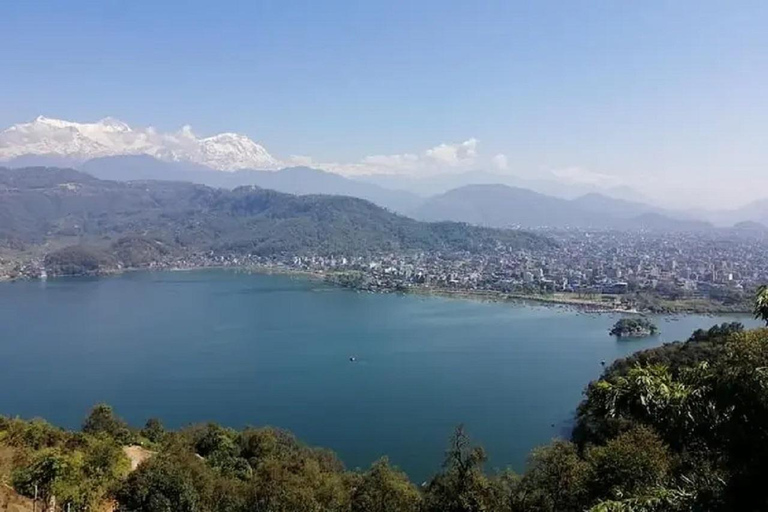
{"type": "Point", "coordinates": [45, 204]}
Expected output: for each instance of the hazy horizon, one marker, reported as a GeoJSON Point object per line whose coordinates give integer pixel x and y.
{"type": "Point", "coordinates": [665, 98]}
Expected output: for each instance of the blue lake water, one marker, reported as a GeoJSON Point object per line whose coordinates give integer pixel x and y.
{"type": "Point", "coordinates": [245, 349]}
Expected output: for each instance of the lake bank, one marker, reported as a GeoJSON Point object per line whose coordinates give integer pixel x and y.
{"type": "Point", "coordinates": [624, 303]}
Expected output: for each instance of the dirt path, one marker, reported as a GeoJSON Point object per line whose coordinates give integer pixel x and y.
{"type": "Point", "coordinates": [137, 455]}
{"type": "Point", "coordinates": [10, 501]}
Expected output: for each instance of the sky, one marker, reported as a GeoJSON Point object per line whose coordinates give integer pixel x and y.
{"type": "Point", "coordinates": [668, 98]}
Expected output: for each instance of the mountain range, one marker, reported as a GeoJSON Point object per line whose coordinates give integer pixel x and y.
{"type": "Point", "coordinates": [73, 143]}
{"type": "Point", "coordinates": [428, 186]}
{"type": "Point", "coordinates": [291, 180]}
{"type": "Point", "coordinates": [112, 150]}
{"type": "Point", "coordinates": [494, 205]}
{"type": "Point", "coordinates": [504, 207]}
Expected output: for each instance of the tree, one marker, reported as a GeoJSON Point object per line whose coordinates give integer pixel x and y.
{"type": "Point", "coordinates": [35, 434]}
{"type": "Point", "coordinates": [168, 483]}
{"type": "Point", "coordinates": [104, 461]}
{"type": "Point", "coordinates": [384, 488]}
{"type": "Point", "coordinates": [41, 475]}
{"type": "Point", "coordinates": [716, 332]}
{"type": "Point", "coordinates": [216, 440]}
{"type": "Point", "coordinates": [629, 465]}
{"type": "Point", "coordinates": [461, 486]}
{"type": "Point", "coordinates": [761, 304]}
{"type": "Point", "coordinates": [298, 483]}
{"type": "Point", "coordinates": [102, 420]}
{"type": "Point", "coordinates": [657, 500]}
{"type": "Point", "coordinates": [633, 327]}
{"type": "Point", "coordinates": [153, 430]}
{"type": "Point", "coordinates": [556, 480]}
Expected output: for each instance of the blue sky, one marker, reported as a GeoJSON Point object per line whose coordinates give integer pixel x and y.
{"type": "Point", "coordinates": [662, 96]}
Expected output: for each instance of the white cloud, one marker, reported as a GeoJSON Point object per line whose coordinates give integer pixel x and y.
{"type": "Point", "coordinates": [581, 176]}
{"type": "Point", "coordinates": [500, 162]}
{"type": "Point", "coordinates": [405, 161]}
{"type": "Point", "coordinates": [455, 156]}
{"type": "Point", "coordinates": [463, 153]}
{"type": "Point", "coordinates": [300, 161]}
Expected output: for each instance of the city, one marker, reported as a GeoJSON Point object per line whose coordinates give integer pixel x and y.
{"type": "Point", "coordinates": [712, 271]}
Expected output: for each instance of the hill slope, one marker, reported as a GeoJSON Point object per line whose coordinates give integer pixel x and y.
{"type": "Point", "coordinates": [39, 204]}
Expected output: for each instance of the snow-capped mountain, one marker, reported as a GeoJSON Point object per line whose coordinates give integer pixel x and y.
{"type": "Point", "coordinates": [111, 137]}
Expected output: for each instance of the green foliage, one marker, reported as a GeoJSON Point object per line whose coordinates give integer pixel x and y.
{"type": "Point", "coordinates": [168, 483]}
{"type": "Point", "coordinates": [717, 332]}
{"type": "Point", "coordinates": [556, 480]}
{"type": "Point", "coordinates": [656, 500]}
{"type": "Point", "coordinates": [713, 416]}
{"type": "Point", "coordinates": [633, 327]}
{"type": "Point", "coordinates": [78, 260]}
{"type": "Point", "coordinates": [104, 461]}
{"type": "Point", "coordinates": [761, 304]}
{"type": "Point", "coordinates": [153, 430]}
{"type": "Point", "coordinates": [384, 488]}
{"type": "Point", "coordinates": [81, 477]}
{"type": "Point", "coordinates": [135, 251]}
{"type": "Point", "coordinates": [461, 486]}
{"type": "Point", "coordinates": [217, 441]}
{"type": "Point", "coordinates": [208, 467]}
{"type": "Point", "coordinates": [102, 420]}
{"type": "Point", "coordinates": [46, 471]}
{"type": "Point", "coordinates": [630, 464]}
{"type": "Point", "coordinates": [702, 346]}
{"type": "Point", "coordinates": [148, 220]}
{"type": "Point", "coordinates": [35, 434]}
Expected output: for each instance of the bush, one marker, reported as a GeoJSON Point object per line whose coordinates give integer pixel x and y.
{"type": "Point", "coordinates": [102, 420]}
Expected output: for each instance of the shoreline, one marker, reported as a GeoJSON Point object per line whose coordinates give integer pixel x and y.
{"type": "Point", "coordinates": [583, 305]}
{"type": "Point", "coordinates": [493, 296]}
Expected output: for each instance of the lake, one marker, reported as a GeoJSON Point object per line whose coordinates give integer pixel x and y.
{"type": "Point", "coordinates": [244, 349]}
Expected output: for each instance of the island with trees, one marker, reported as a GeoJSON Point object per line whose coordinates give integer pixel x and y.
{"type": "Point", "coordinates": [634, 328]}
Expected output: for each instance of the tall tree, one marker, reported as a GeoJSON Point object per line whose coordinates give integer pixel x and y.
{"type": "Point", "coordinates": [461, 486]}
{"type": "Point", "coordinates": [761, 304]}
{"type": "Point", "coordinates": [102, 420]}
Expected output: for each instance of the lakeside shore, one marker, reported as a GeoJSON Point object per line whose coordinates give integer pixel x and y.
{"type": "Point", "coordinates": [494, 296]}
{"type": "Point", "coordinates": [670, 307]}
{"type": "Point", "coordinates": [698, 307]}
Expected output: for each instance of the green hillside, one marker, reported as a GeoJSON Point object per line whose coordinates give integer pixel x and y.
{"type": "Point", "coordinates": [45, 204]}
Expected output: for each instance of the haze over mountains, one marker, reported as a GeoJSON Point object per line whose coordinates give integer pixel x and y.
{"type": "Point", "coordinates": [39, 205]}
{"type": "Point", "coordinates": [291, 180]}
{"type": "Point", "coordinates": [503, 206]}
{"type": "Point", "coordinates": [110, 149]}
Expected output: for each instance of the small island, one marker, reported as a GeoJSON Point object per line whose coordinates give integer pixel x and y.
{"type": "Point", "coordinates": [634, 328]}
